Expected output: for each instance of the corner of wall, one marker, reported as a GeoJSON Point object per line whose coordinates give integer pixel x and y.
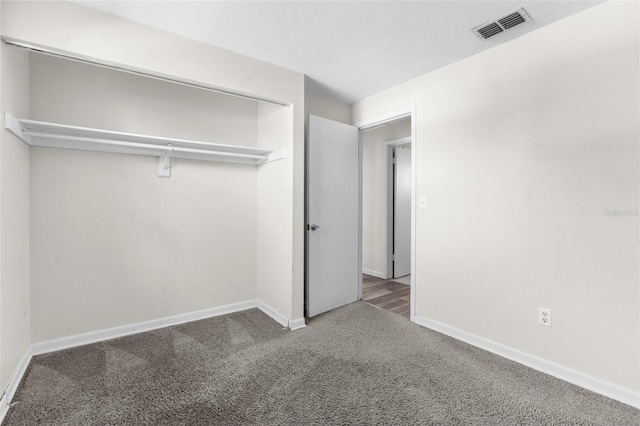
{"type": "Point", "coordinates": [15, 302]}
{"type": "Point", "coordinates": [327, 108]}
{"type": "Point", "coordinates": [275, 206]}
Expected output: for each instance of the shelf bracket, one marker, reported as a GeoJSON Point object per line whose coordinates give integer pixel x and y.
{"type": "Point", "coordinates": [164, 164]}
{"type": "Point", "coordinates": [278, 154]}
{"type": "Point", "coordinates": [13, 125]}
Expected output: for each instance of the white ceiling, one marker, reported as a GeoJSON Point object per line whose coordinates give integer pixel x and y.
{"type": "Point", "coordinates": [347, 49]}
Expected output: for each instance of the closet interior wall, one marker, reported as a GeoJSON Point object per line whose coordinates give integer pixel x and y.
{"type": "Point", "coordinates": [112, 243]}
{"type": "Point", "coordinates": [275, 233]}
{"type": "Point", "coordinates": [15, 301]}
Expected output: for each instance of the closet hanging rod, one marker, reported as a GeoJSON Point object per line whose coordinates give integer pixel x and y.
{"type": "Point", "coordinates": [162, 148]}
{"type": "Point", "coordinates": [139, 71]}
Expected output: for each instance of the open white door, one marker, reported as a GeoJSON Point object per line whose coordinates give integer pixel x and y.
{"type": "Point", "coordinates": [333, 209]}
{"type": "Point", "coordinates": [402, 212]}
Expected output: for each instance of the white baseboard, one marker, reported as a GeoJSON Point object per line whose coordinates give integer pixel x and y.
{"type": "Point", "coordinates": [125, 330]}
{"type": "Point", "coordinates": [280, 318]}
{"type": "Point", "coordinates": [373, 273]}
{"type": "Point", "coordinates": [13, 384]}
{"type": "Point", "coordinates": [277, 316]}
{"type": "Point", "coordinates": [140, 327]}
{"type": "Point", "coordinates": [609, 390]}
{"type": "Point", "coordinates": [297, 324]}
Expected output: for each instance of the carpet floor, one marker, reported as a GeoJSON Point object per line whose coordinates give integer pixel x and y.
{"type": "Point", "coordinates": [357, 365]}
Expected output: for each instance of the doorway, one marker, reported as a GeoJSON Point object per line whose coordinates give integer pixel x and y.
{"type": "Point", "coordinates": [387, 192]}
{"type": "Point", "coordinates": [330, 248]}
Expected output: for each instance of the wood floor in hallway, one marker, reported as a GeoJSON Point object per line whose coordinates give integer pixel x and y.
{"type": "Point", "coordinates": [386, 294]}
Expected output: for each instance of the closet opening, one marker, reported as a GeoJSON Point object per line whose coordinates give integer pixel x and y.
{"type": "Point", "coordinates": [149, 200]}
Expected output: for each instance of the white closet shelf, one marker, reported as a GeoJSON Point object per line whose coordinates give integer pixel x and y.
{"type": "Point", "coordinates": [40, 133]}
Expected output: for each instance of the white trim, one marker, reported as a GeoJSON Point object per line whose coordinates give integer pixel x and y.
{"type": "Point", "coordinates": [13, 125]}
{"type": "Point", "coordinates": [138, 71]}
{"type": "Point", "coordinates": [13, 384]}
{"type": "Point", "coordinates": [274, 314]}
{"type": "Point", "coordinates": [414, 205]}
{"type": "Point", "coordinates": [297, 324]}
{"type": "Point", "coordinates": [389, 220]}
{"type": "Point", "coordinates": [53, 135]}
{"type": "Point", "coordinates": [399, 141]}
{"type": "Point", "coordinates": [384, 118]}
{"type": "Point", "coordinates": [125, 330]}
{"type": "Point", "coordinates": [387, 235]}
{"type": "Point", "coordinates": [281, 318]}
{"type": "Point", "coordinates": [359, 290]}
{"type": "Point", "coordinates": [373, 273]}
{"type": "Point", "coordinates": [626, 396]}
{"type": "Point", "coordinates": [363, 125]}
{"type": "Point", "coordinates": [395, 280]}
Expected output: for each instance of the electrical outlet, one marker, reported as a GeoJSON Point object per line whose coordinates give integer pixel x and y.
{"type": "Point", "coordinates": [544, 316]}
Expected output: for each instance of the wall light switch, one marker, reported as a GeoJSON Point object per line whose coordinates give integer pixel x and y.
{"type": "Point", "coordinates": [422, 202]}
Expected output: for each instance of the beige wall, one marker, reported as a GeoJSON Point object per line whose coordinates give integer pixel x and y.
{"type": "Point", "coordinates": [274, 213]}
{"type": "Point", "coordinates": [521, 151]}
{"type": "Point", "coordinates": [83, 31]}
{"type": "Point", "coordinates": [374, 195]}
{"type": "Point", "coordinates": [327, 108]}
{"type": "Point", "coordinates": [112, 243]}
{"type": "Point", "coordinates": [15, 309]}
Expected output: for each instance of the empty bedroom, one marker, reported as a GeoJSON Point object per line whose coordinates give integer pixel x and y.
{"type": "Point", "coordinates": [312, 212]}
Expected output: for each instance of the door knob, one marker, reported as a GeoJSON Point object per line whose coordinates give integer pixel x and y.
{"type": "Point", "coordinates": [314, 227]}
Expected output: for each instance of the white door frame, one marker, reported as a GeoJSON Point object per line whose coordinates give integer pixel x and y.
{"type": "Point", "coordinates": [388, 236]}
{"type": "Point", "coordinates": [375, 122]}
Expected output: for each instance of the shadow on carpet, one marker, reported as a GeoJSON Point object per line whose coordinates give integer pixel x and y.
{"type": "Point", "coordinates": [357, 365]}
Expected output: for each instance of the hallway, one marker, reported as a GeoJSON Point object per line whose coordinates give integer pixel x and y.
{"type": "Point", "coordinates": [386, 294]}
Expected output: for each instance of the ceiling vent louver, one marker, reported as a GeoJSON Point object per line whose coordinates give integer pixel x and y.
{"type": "Point", "coordinates": [510, 20]}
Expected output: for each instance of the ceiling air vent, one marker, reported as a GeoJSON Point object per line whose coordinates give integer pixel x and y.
{"type": "Point", "coordinates": [510, 20]}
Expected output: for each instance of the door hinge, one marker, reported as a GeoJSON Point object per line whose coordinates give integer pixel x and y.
{"type": "Point", "coordinates": [393, 257]}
